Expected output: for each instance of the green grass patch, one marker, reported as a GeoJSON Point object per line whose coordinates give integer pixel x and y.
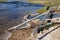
{"type": "Point", "coordinates": [40, 11]}
{"type": "Point", "coordinates": [48, 2]}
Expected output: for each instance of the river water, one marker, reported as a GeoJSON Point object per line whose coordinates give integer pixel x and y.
{"type": "Point", "coordinates": [12, 12]}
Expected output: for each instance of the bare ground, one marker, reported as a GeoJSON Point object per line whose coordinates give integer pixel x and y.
{"type": "Point", "coordinates": [21, 34]}
{"type": "Point", "coordinates": [25, 34]}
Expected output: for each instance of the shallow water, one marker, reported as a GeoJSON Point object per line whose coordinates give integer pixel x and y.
{"type": "Point", "coordinates": [12, 12]}
{"type": "Point", "coordinates": [5, 35]}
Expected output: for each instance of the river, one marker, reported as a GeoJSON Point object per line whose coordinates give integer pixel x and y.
{"type": "Point", "coordinates": [10, 13]}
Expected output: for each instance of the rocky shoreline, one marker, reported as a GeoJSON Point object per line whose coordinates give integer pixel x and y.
{"type": "Point", "coordinates": [25, 34]}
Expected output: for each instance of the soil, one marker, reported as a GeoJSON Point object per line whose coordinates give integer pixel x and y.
{"type": "Point", "coordinates": [21, 34]}
{"type": "Point", "coordinates": [25, 34]}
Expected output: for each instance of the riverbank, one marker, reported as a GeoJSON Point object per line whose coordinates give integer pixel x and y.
{"type": "Point", "coordinates": [46, 2]}
{"type": "Point", "coordinates": [25, 34]}
{"type": "Point", "coordinates": [4, 35]}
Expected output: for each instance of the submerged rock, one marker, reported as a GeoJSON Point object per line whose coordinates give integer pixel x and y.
{"type": "Point", "coordinates": [4, 35]}
{"type": "Point", "coordinates": [1, 31]}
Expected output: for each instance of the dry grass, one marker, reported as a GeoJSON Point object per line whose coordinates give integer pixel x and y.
{"type": "Point", "coordinates": [48, 2]}
{"type": "Point", "coordinates": [41, 11]}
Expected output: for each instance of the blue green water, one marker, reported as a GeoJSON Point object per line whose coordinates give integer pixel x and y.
{"type": "Point", "coordinates": [11, 15]}
{"type": "Point", "coordinates": [13, 12]}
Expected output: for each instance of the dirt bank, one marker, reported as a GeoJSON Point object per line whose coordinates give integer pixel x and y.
{"type": "Point", "coordinates": [21, 34]}
{"type": "Point", "coordinates": [25, 34]}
